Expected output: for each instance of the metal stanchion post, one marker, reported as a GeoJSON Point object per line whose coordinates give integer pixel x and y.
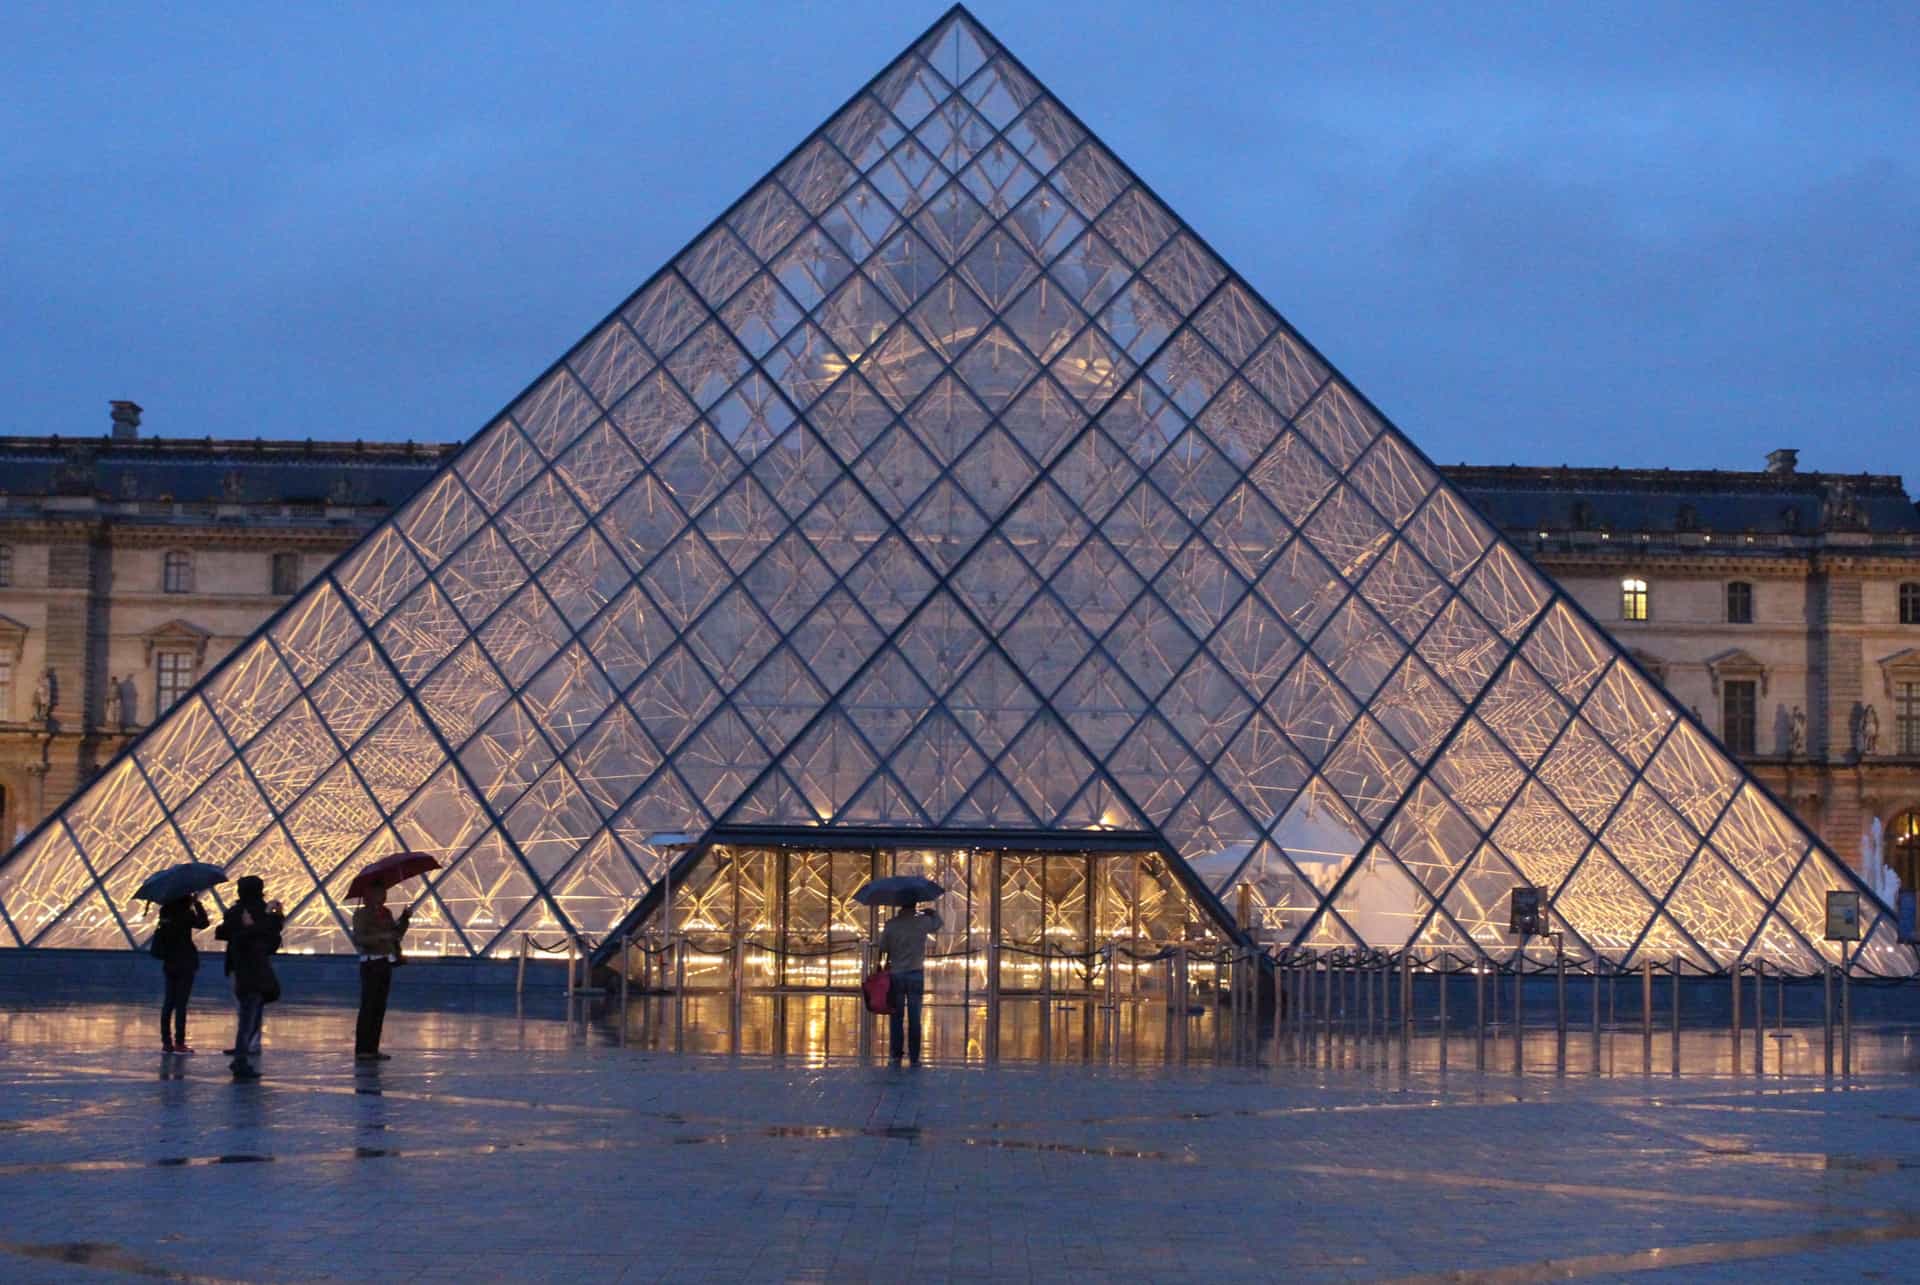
{"type": "Point", "coordinates": [1280, 977]}
{"type": "Point", "coordinates": [520, 969]}
{"type": "Point", "coordinates": [1109, 1004]}
{"type": "Point", "coordinates": [1560, 998]}
{"type": "Point", "coordinates": [1826, 987]}
{"type": "Point", "coordinates": [737, 1005]}
{"type": "Point", "coordinates": [1364, 1009]}
{"type": "Point", "coordinates": [1676, 1014]}
{"type": "Point", "coordinates": [1759, 1017]}
{"type": "Point", "coordinates": [1220, 958]}
{"type": "Point", "coordinates": [993, 1001]}
{"type": "Point", "coordinates": [1646, 1016]}
{"type": "Point", "coordinates": [1480, 1017]}
{"type": "Point", "coordinates": [1326, 1017]}
{"type": "Point", "coordinates": [1442, 976]}
{"type": "Point", "coordinates": [1406, 1007]}
{"type": "Point", "coordinates": [1182, 1000]}
{"type": "Point", "coordinates": [626, 978]}
{"type": "Point", "coordinates": [680, 993]}
{"type": "Point", "coordinates": [1595, 981]}
{"type": "Point", "coordinates": [1519, 1013]}
{"type": "Point", "coordinates": [1733, 1020]}
{"type": "Point", "coordinates": [1846, 1010]}
{"type": "Point", "coordinates": [1046, 1002]}
{"type": "Point", "coordinates": [571, 946]}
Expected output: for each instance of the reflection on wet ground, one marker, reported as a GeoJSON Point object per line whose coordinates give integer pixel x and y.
{"type": "Point", "coordinates": [557, 1141]}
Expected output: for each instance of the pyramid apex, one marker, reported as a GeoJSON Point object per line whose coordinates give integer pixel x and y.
{"type": "Point", "coordinates": [957, 45]}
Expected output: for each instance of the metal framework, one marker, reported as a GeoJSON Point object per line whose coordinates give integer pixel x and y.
{"type": "Point", "coordinates": [949, 481]}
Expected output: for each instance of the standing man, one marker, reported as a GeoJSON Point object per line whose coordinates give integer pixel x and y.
{"type": "Point", "coordinates": [903, 944]}
{"type": "Point", "coordinates": [251, 930]}
{"type": "Point", "coordinates": [376, 935]}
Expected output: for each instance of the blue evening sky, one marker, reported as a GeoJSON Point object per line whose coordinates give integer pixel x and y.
{"type": "Point", "coordinates": [1665, 234]}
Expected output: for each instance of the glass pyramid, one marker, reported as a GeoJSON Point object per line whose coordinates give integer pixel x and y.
{"type": "Point", "coordinates": [949, 480]}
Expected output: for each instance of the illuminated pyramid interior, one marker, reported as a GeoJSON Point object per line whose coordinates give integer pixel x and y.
{"type": "Point", "coordinates": [949, 483]}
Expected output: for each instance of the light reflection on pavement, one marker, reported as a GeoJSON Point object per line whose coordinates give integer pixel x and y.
{"type": "Point", "coordinates": [534, 1145]}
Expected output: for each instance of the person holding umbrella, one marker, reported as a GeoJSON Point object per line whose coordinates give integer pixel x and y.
{"type": "Point", "coordinates": [181, 915]}
{"type": "Point", "coordinates": [376, 936]}
{"type": "Point", "coordinates": [251, 929]}
{"type": "Point", "coordinates": [179, 960]}
{"type": "Point", "coordinates": [903, 945]}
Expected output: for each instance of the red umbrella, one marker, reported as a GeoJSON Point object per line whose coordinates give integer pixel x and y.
{"type": "Point", "coordinates": [388, 871]}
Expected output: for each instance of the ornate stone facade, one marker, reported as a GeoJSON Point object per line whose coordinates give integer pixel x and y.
{"type": "Point", "coordinates": [130, 565]}
{"type": "Point", "coordinates": [1778, 587]}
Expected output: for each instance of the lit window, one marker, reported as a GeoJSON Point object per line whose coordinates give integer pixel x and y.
{"type": "Point", "coordinates": [1906, 717]}
{"type": "Point", "coordinates": [1903, 849]}
{"type": "Point", "coordinates": [6, 687]}
{"type": "Point", "coordinates": [1910, 603]}
{"type": "Point", "coordinates": [1738, 710]}
{"type": "Point", "coordinates": [6, 566]}
{"type": "Point", "coordinates": [1739, 603]}
{"type": "Point", "coordinates": [1633, 599]}
{"type": "Point", "coordinates": [286, 573]}
{"type": "Point", "coordinates": [173, 675]}
{"type": "Point", "coordinates": [177, 572]}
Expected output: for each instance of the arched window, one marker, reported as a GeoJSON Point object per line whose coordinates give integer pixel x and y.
{"type": "Point", "coordinates": [1903, 849]}
{"type": "Point", "coordinates": [176, 573]}
{"type": "Point", "coordinates": [1910, 603]}
{"type": "Point", "coordinates": [1739, 603]}
{"type": "Point", "coordinates": [1633, 599]}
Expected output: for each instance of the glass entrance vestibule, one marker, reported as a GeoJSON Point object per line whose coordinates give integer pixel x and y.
{"type": "Point", "coordinates": [1038, 949]}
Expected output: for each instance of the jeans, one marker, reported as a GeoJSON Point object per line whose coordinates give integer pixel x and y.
{"type": "Point", "coordinates": [376, 980]}
{"type": "Point", "coordinates": [903, 1019]}
{"type": "Point", "coordinates": [173, 1008]}
{"type": "Point", "coordinates": [253, 1007]}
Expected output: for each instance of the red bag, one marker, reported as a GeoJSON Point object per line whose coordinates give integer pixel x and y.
{"type": "Point", "coordinates": [878, 988]}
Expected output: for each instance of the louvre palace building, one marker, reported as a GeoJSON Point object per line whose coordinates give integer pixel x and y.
{"type": "Point", "coordinates": [948, 506]}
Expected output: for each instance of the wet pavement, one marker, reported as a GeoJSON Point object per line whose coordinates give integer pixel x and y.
{"type": "Point", "coordinates": [535, 1145]}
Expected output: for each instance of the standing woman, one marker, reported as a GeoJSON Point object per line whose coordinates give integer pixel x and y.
{"type": "Point", "coordinates": [180, 960]}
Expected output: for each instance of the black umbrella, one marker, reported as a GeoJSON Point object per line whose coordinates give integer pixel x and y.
{"type": "Point", "coordinates": [179, 881]}
{"type": "Point", "coordinates": [898, 890]}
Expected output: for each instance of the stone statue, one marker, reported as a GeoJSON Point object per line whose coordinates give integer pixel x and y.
{"type": "Point", "coordinates": [45, 695]}
{"type": "Point", "coordinates": [116, 705]}
{"type": "Point", "coordinates": [1866, 732]}
{"type": "Point", "coordinates": [1840, 509]}
{"type": "Point", "coordinates": [1798, 728]}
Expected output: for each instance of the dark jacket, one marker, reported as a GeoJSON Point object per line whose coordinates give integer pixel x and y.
{"type": "Point", "coordinates": [173, 939]}
{"type": "Point", "coordinates": [250, 946]}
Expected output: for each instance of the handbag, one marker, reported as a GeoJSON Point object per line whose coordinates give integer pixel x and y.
{"type": "Point", "coordinates": [878, 990]}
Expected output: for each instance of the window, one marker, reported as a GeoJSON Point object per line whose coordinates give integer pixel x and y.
{"type": "Point", "coordinates": [6, 566]}
{"type": "Point", "coordinates": [1738, 714]}
{"type": "Point", "coordinates": [1910, 603]}
{"type": "Point", "coordinates": [1633, 599]}
{"type": "Point", "coordinates": [1906, 718]}
{"type": "Point", "coordinates": [1903, 849]}
{"type": "Point", "coordinates": [173, 675]}
{"type": "Point", "coordinates": [286, 573]}
{"type": "Point", "coordinates": [177, 572]}
{"type": "Point", "coordinates": [6, 689]}
{"type": "Point", "coordinates": [1739, 603]}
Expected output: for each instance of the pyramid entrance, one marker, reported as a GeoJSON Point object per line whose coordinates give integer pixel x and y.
{"type": "Point", "coordinates": [949, 482]}
{"type": "Point", "coordinates": [786, 912]}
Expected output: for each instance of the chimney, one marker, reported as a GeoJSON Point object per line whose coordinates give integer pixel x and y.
{"type": "Point", "coordinates": [1780, 463]}
{"type": "Point", "coordinates": [126, 421]}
